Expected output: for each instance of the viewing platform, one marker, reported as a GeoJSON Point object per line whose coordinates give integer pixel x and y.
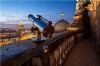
{"type": "Point", "coordinates": [72, 50]}
{"type": "Point", "coordinates": [78, 47]}
{"type": "Point", "coordinates": [83, 54]}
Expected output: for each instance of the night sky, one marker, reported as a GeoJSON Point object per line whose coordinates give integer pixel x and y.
{"type": "Point", "coordinates": [16, 11]}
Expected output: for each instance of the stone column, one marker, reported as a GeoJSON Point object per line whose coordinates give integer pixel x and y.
{"type": "Point", "coordinates": [76, 22]}
{"type": "Point", "coordinates": [92, 8]}
{"type": "Point", "coordinates": [93, 24]}
{"type": "Point", "coordinates": [98, 26]}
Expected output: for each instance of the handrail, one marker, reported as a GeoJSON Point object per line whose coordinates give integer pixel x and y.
{"type": "Point", "coordinates": [55, 38]}
{"type": "Point", "coordinates": [59, 46]}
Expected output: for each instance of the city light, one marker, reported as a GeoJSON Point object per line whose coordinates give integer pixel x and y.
{"type": "Point", "coordinates": [12, 35]}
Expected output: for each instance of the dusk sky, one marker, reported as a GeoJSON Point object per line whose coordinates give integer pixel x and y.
{"type": "Point", "coordinates": [16, 11]}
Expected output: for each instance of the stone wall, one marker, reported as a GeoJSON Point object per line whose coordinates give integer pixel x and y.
{"type": "Point", "coordinates": [92, 9]}
{"type": "Point", "coordinates": [98, 25]}
{"type": "Point", "coordinates": [95, 22]}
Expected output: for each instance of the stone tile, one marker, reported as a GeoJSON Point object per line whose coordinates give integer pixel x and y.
{"type": "Point", "coordinates": [83, 54]}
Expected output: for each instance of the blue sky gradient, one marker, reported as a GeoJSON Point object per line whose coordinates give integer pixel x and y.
{"type": "Point", "coordinates": [16, 11]}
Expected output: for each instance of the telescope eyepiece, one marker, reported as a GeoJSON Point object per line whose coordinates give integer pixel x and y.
{"type": "Point", "coordinates": [31, 17]}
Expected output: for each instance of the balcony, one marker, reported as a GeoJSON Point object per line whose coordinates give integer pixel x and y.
{"type": "Point", "coordinates": [68, 48]}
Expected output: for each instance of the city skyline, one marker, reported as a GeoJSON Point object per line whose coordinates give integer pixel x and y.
{"type": "Point", "coordinates": [13, 12]}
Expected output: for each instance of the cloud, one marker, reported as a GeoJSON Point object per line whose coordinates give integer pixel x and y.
{"type": "Point", "coordinates": [6, 19]}
{"type": "Point", "coordinates": [16, 22]}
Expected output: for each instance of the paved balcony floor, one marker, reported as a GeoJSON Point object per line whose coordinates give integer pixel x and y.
{"type": "Point", "coordinates": [83, 54]}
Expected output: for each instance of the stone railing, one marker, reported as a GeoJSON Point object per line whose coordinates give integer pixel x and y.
{"type": "Point", "coordinates": [58, 47]}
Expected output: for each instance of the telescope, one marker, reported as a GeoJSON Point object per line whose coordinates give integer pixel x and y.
{"type": "Point", "coordinates": [43, 24]}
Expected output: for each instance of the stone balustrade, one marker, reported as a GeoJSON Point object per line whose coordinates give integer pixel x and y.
{"type": "Point", "coordinates": [58, 48]}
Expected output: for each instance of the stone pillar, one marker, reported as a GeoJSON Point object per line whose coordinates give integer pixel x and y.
{"type": "Point", "coordinates": [38, 43]}
{"type": "Point", "coordinates": [93, 24]}
{"type": "Point", "coordinates": [92, 8]}
{"type": "Point", "coordinates": [78, 17]}
{"type": "Point", "coordinates": [98, 26]}
{"type": "Point", "coordinates": [76, 22]}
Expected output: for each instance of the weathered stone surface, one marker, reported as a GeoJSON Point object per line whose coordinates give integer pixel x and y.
{"type": "Point", "coordinates": [83, 54]}
{"type": "Point", "coordinates": [98, 26]}
{"type": "Point", "coordinates": [94, 13]}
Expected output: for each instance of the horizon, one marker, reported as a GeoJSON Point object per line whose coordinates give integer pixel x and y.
{"type": "Point", "coordinates": [14, 12]}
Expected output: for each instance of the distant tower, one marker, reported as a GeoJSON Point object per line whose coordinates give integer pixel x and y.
{"type": "Point", "coordinates": [20, 26]}
{"type": "Point", "coordinates": [62, 14]}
